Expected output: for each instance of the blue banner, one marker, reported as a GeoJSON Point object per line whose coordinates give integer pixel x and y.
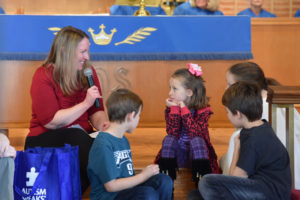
{"type": "Point", "coordinates": [29, 37]}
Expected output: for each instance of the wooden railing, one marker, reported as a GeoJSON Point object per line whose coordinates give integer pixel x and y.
{"type": "Point", "coordinates": [285, 97]}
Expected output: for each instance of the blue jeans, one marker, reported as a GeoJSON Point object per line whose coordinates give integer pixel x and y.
{"type": "Point", "coordinates": [158, 187]}
{"type": "Point", "coordinates": [217, 186]}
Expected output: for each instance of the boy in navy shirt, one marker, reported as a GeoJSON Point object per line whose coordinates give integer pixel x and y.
{"type": "Point", "coordinates": [260, 168]}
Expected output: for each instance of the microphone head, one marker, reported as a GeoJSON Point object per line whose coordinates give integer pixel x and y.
{"type": "Point", "coordinates": [88, 72]}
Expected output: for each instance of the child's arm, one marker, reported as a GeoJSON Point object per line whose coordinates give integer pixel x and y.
{"type": "Point", "coordinates": [172, 117]}
{"type": "Point", "coordinates": [129, 182]}
{"type": "Point", "coordinates": [235, 170]}
{"type": "Point", "coordinates": [197, 126]}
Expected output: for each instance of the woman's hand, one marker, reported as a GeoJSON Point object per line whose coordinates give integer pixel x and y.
{"type": "Point", "coordinates": [91, 95]}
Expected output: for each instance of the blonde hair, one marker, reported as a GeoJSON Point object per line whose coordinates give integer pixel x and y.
{"type": "Point", "coordinates": [212, 5]}
{"type": "Point", "coordinates": [63, 56]}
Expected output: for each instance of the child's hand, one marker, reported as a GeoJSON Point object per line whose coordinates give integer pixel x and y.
{"type": "Point", "coordinates": [5, 149]}
{"type": "Point", "coordinates": [181, 104]}
{"type": "Point", "coordinates": [170, 102]}
{"type": "Point", "coordinates": [150, 170]}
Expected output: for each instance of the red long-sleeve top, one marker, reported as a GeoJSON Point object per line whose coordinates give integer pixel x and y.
{"type": "Point", "coordinates": [48, 98]}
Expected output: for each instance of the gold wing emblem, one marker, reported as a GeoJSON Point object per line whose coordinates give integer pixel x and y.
{"type": "Point", "coordinates": [137, 36]}
{"type": "Point", "coordinates": [54, 29]}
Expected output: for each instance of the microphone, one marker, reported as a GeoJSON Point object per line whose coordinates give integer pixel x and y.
{"type": "Point", "coordinates": [89, 76]}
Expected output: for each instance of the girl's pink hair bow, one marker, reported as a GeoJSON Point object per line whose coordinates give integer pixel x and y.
{"type": "Point", "coordinates": [195, 69]}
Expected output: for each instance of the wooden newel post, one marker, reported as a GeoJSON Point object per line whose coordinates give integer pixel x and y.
{"type": "Point", "coordinates": [285, 97]}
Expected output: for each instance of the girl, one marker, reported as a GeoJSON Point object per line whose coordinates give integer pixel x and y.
{"type": "Point", "coordinates": [252, 72]}
{"type": "Point", "coordinates": [187, 144]}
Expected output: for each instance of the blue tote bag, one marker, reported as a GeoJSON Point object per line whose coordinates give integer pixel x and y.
{"type": "Point", "coordinates": [50, 173]}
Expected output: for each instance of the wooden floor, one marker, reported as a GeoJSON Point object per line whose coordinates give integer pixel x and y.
{"type": "Point", "coordinates": [145, 143]}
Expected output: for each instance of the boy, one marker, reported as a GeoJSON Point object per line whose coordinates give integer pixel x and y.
{"type": "Point", "coordinates": [110, 167]}
{"type": "Point", "coordinates": [260, 167]}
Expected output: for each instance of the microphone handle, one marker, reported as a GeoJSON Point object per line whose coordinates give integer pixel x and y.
{"type": "Point", "coordinates": [91, 83]}
{"type": "Point", "coordinates": [97, 103]}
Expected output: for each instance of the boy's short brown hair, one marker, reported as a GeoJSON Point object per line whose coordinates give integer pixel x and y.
{"type": "Point", "coordinates": [245, 97]}
{"type": "Point", "coordinates": [122, 102]}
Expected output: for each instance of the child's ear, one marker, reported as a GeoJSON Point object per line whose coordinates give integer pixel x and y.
{"type": "Point", "coordinates": [130, 116]}
{"type": "Point", "coordinates": [189, 92]}
{"type": "Point", "coordinates": [238, 113]}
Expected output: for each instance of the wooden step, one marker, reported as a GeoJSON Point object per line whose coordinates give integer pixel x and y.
{"type": "Point", "coordinates": [145, 143]}
{"type": "Point", "coordinates": [182, 185]}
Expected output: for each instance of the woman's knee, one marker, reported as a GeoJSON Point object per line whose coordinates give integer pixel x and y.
{"type": "Point", "coordinates": [78, 137]}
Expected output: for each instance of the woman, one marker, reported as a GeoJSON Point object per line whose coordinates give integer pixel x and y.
{"type": "Point", "coordinates": [63, 110]}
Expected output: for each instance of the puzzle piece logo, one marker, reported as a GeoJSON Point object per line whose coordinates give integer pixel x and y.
{"type": "Point", "coordinates": [32, 175]}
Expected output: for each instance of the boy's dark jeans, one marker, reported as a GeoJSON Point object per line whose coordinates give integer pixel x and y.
{"type": "Point", "coordinates": [217, 186]}
{"type": "Point", "coordinates": [158, 187]}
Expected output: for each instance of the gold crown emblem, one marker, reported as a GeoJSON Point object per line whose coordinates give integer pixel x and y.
{"type": "Point", "coordinates": [102, 38]}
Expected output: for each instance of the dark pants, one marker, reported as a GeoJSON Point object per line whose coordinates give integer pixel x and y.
{"type": "Point", "coordinates": [60, 137]}
{"type": "Point", "coordinates": [223, 187]}
{"type": "Point", "coordinates": [158, 187]}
